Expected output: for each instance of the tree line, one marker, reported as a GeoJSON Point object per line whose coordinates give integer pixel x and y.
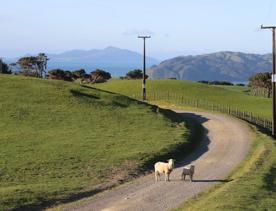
{"type": "Point", "coordinates": [35, 66]}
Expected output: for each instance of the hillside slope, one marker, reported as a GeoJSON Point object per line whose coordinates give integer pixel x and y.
{"type": "Point", "coordinates": [230, 66]}
{"type": "Point", "coordinates": [233, 96]}
{"type": "Point", "coordinates": [58, 140]}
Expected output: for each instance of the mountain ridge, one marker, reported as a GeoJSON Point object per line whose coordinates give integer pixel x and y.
{"type": "Point", "coordinates": [222, 65]}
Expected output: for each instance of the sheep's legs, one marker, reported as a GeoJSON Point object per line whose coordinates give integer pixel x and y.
{"type": "Point", "coordinates": [157, 176]}
{"type": "Point", "coordinates": [191, 177]}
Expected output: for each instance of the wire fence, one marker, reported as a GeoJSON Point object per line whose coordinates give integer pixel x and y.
{"type": "Point", "coordinates": [203, 104]}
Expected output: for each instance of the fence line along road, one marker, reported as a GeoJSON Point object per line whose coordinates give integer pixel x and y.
{"type": "Point", "coordinates": [198, 103]}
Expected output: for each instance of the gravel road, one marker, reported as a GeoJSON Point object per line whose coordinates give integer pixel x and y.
{"type": "Point", "coordinates": [225, 144]}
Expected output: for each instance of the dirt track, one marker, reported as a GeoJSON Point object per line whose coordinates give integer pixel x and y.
{"type": "Point", "coordinates": [224, 146]}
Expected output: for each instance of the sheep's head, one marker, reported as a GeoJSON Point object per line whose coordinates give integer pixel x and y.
{"type": "Point", "coordinates": [171, 162]}
{"type": "Point", "coordinates": [192, 167]}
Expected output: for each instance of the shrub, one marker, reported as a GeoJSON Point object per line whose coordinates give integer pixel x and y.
{"type": "Point", "coordinates": [227, 83]}
{"type": "Point", "coordinates": [261, 81]}
{"type": "Point", "coordinates": [240, 84]}
{"type": "Point", "coordinates": [4, 68]}
{"type": "Point", "coordinates": [60, 74]}
{"type": "Point", "coordinates": [135, 74]}
{"type": "Point", "coordinates": [99, 76]}
{"type": "Point", "coordinates": [78, 73]}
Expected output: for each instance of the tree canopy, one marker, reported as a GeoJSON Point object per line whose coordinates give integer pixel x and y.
{"type": "Point", "coordinates": [4, 68]}
{"type": "Point", "coordinates": [99, 76]}
{"type": "Point", "coordinates": [135, 74]}
{"type": "Point", "coordinates": [261, 82]}
{"type": "Point", "coordinates": [33, 65]}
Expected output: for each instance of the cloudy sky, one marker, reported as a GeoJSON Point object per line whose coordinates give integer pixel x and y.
{"type": "Point", "coordinates": [177, 27]}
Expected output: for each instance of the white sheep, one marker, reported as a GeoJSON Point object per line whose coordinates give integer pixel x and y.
{"type": "Point", "coordinates": [166, 168]}
{"type": "Point", "coordinates": [188, 171]}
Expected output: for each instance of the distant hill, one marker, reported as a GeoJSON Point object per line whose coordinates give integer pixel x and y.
{"type": "Point", "coordinates": [115, 60]}
{"type": "Point", "coordinates": [226, 65]}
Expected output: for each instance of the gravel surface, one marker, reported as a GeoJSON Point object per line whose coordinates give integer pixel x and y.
{"type": "Point", "coordinates": [225, 144]}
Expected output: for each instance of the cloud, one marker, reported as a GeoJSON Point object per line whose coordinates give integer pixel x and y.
{"type": "Point", "coordinates": [132, 32]}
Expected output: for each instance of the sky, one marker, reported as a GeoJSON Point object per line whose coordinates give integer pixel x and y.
{"type": "Point", "coordinates": [177, 27]}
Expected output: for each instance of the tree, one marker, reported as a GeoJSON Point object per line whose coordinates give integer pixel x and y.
{"type": "Point", "coordinates": [78, 73]}
{"type": "Point", "coordinates": [4, 68]}
{"type": "Point", "coordinates": [261, 83]}
{"type": "Point", "coordinates": [33, 65]}
{"type": "Point", "coordinates": [60, 74]}
{"type": "Point", "coordinates": [135, 74]}
{"type": "Point", "coordinates": [99, 76]}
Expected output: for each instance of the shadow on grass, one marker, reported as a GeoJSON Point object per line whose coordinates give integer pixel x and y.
{"type": "Point", "coordinates": [77, 93]}
{"type": "Point", "coordinates": [213, 180]}
{"type": "Point", "coordinates": [46, 204]}
{"type": "Point", "coordinates": [270, 180]}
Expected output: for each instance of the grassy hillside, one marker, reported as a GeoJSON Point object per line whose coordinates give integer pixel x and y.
{"type": "Point", "coordinates": [58, 138]}
{"type": "Point", "coordinates": [236, 97]}
{"type": "Point", "coordinates": [251, 187]}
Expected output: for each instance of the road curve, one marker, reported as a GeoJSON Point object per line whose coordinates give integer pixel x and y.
{"type": "Point", "coordinates": [225, 144]}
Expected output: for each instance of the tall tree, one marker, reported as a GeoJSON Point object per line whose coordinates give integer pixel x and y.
{"type": "Point", "coordinates": [33, 65]}
{"type": "Point", "coordinates": [261, 82]}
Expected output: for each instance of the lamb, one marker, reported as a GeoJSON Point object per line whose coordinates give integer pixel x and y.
{"type": "Point", "coordinates": [166, 168]}
{"type": "Point", "coordinates": [188, 171]}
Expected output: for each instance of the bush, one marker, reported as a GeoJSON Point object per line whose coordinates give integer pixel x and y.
{"type": "Point", "coordinates": [4, 68]}
{"type": "Point", "coordinates": [60, 74]}
{"type": "Point", "coordinates": [78, 73]}
{"type": "Point", "coordinates": [135, 74]}
{"type": "Point", "coordinates": [99, 76]}
{"type": "Point", "coordinates": [240, 84]}
{"type": "Point", "coordinates": [227, 83]}
{"type": "Point", "coordinates": [260, 84]}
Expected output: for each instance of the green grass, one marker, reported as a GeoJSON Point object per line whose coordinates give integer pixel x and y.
{"type": "Point", "coordinates": [233, 96]}
{"type": "Point", "coordinates": [252, 186]}
{"type": "Point", "coordinates": [59, 139]}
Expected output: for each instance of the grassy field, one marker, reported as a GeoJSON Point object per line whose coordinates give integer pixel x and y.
{"type": "Point", "coordinates": [251, 187]}
{"type": "Point", "coordinates": [58, 140]}
{"type": "Point", "coordinates": [233, 96]}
